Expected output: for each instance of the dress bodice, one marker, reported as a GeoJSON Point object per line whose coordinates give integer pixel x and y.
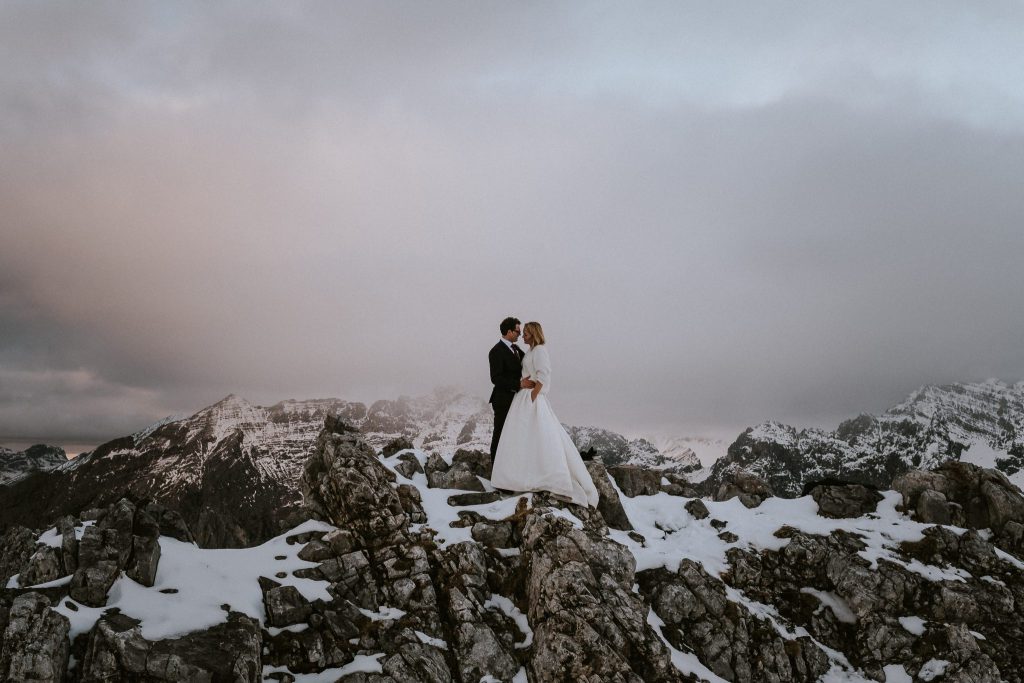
{"type": "Point", "coordinates": [537, 366]}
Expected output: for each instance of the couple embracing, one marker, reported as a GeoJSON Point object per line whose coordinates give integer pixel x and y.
{"type": "Point", "coordinates": [530, 448]}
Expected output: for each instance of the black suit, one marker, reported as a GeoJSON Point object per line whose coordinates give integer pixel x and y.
{"type": "Point", "coordinates": [506, 374]}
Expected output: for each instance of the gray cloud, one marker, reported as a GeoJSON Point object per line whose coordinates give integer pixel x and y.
{"type": "Point", "coordinates": [720, 215]}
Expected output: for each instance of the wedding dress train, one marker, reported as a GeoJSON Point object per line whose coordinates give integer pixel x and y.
{"type": "Point", "coordinates": [535, 453]}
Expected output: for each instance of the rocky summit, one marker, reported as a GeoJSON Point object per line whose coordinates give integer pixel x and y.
{"type": "Point", "coordinates": [981, 423]}
{"type": "Point", "coordinates": [232, 470]}
{"type": "Point", "coordinates": [409, 566]}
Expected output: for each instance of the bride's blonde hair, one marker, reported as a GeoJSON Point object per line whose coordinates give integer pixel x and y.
{"type": "Point", "coordinates": [536, 333]}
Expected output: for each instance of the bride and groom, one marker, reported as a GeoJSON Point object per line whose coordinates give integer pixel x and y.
{"type": "Point", "coordinates": [530, 449]}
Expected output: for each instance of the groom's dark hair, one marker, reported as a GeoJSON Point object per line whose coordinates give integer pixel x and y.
{"type": "Point", "coordinates": [508, 324]}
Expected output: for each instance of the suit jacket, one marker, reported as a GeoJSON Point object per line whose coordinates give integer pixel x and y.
{"type": "Point", "coordinates": [506, 372]}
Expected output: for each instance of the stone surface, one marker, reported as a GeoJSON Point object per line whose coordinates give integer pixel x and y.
{"type": "Point", "coordinates": [43, 566]}
{"type": "Point", "coordinates": [34, 643]}
{"type": "Point", "coordinates": [608, 503]}
{"type": "Point", "coordinates": [844, 500]}
{"type": "Point", "coordinates": [636, 481]}
{"type": "Point", "coordinates": [748, 487]}
{"type": "Point", "coordinates": [226, 652]}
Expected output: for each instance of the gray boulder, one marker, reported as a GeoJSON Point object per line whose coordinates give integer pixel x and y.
{"type": "Point", "coordinates": [841, 501]}
{"type": "Point", "coordinates": [117, 651]}
{"type": "Point", "coordinates": [34, 645]}
{"type": "Point", "coordinates": [748, 487]}
{"type": "Point", "coordinates": [43, 566]}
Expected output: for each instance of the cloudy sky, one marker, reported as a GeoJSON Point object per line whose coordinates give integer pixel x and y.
{"type": "Point", "coordinates": [721, 212]}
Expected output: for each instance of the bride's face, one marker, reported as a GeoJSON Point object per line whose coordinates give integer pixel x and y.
{"type": "Point", "coordinates": [528, 338]}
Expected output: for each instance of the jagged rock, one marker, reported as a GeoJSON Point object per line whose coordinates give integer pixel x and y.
{"type": "Point", "coordinates": [481, 649]}
{"type": "Point", "coordinates": [34, 644]}
{"type": "Point", "coordinates": [69, 543]}
{"type": "Point", "coordinates": [734, 643]}
{"type": "Point", "coordinates": [316, 551]}
{"type": "Point", "coordinates": [749, 488]}
{"type": "Point", "coordinates": [636, 481]}
{"type": "Point", "coordinates": [144, 560]}
{"type": "Point", "coordinates": [43, 566]}
{"type": "Point", "coordinates": [455, 477]}
{"type": "Point", "coordinates": [608, 503]}
{"type": "Point", "coordinates": [435, 463]}
{"type": "Point", "coordinates": [395, 445]}
{"type": "Point", "coordinates": [841, 501]}
{"type": "Point", "coordinates": [341, 541]}
{"type": "Point", "coordinates": [415, 661]}
{"type": "Point", "coordinates": [352, 579]}
{"type": "Point", "coordinates": [697, 509]}
{"type": "Point", "coordinates": [933, 508]}
{"type": "Point", "coordinates": [962, 492]}
{"type": "Point", "coordinates": [102, 553]}
{"type": "Point", "coordinates": [477, 462]}
{"type": "Point", "coordinates": [226, 652]}
{"type": "Point", "coordinates": [17, 544]}
{"type": "Point", "coordinates": [587, 622]}
{"type": "Point", "coordinates": [476, 498]}
{"type": "Point", "coordinates": [409, 465]}
{"type": "Point", "coordinates": [494, 534]}
{"type": "Point", "coordinates": [284, 605]}
{"type": "Point", "coordinates": [91, 584]}
{"type": "Point", "coordinates": [678, 485]}
{"type": "Point", "coordinates": [171, 523]}
{"type": "Point", "coordinates": [346, 484]}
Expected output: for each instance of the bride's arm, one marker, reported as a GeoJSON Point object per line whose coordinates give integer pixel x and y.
{"type": "Point", "coordinates": [542, 363]}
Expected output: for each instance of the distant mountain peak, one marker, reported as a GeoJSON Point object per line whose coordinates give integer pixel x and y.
{"type": "Point", "coordinates": [981, 422]}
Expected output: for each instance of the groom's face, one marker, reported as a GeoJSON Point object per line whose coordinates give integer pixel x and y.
{"type": "Point", "coordinates": [513, 335]}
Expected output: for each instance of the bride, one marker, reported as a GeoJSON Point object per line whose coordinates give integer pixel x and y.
{"type": "Point", "coordinates": [534, 452]}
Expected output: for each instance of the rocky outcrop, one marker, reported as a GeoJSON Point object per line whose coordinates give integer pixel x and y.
{"type": "Point", "coordinates": [869, 613]}
{"type": "Point", "coordinates": [587, 622]}
{"type": "Point", "coordinates": [117, 651]}
{"type": "Point", "coordinates": [124, 538]}
{"type": "Point", "coordinates": [841, 500]}
{"type": "Point", "coordinates": [33, 641]}
{"type": "Point", "coordinates": [748, 487]}
{"type": "Point", "coordinates": [17, 545]}
{"type": "Point", "coordinates": [966, 495]}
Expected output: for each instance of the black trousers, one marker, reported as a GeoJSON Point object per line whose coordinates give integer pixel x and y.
{"type": "Point", "coordinates": [501, 405]}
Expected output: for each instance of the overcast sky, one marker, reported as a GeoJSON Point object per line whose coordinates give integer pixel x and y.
{"type": "Point", "coordinates": [722, 212]}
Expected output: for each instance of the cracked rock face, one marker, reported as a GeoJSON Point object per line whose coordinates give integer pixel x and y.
{"type": "Point", "coordinates": [226, 652]}
{"type": "Point", "coordinates": [34, 643]}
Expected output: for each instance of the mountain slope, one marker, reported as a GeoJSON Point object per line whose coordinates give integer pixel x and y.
{"type": "Point", "coordinates": [232, 469]}
{"type": "Point", "coordinates": [982, 423]}
{"type": "Point", "coordinates": [17, 464]}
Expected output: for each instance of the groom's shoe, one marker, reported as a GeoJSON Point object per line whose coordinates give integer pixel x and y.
{"type": "Point", "coordinates": [588, 454]}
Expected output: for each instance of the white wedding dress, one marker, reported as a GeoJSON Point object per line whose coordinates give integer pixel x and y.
{"type": "Point", "coordinates": [534, 452]}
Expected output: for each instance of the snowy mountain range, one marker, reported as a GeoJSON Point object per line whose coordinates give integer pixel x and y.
{"type": "Point", "coordinates": [17, 464]}
{"type": "Point", "coordinates": [980, 423]}
{"type": "Point", "coordinates": [232, 469]}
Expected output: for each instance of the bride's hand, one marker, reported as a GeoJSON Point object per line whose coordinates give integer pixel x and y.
{"type": "Point", "coordinates": [535, 392]}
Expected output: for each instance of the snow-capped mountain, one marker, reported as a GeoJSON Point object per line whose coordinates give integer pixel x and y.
{"type": "Point", "coordinates": [17, 464]}
{"type": "Point", "coordinates": [233, 468]}
{"type": "Point", "coordinates": [981, 423]}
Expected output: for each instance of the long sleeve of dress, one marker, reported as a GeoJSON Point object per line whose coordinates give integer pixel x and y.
{"type": "Point", "coordinates": [542, 366]}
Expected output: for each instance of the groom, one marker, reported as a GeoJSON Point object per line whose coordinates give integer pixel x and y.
{"type": "Point", "coordinates": [506, 360]}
